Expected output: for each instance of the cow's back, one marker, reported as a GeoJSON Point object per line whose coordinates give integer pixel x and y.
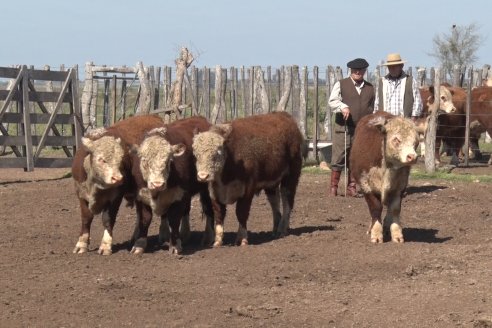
{"type": "Point", "coordinates": [367, 147]}
{"type": "Point", "coordinates": [262, 146]}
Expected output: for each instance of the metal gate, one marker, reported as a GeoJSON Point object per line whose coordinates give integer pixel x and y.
{"type": "Point", "coordinates": [31, 127]}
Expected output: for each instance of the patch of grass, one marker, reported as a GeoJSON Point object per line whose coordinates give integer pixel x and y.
{"type": "Point", "coordinates": [440, 174]}
{"type": "Point", "coordinates": [446, 174]}
{"type": "Point", "coordinates": [311, 169]}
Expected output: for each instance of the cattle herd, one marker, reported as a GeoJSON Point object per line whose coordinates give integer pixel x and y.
{"type": "Point", "coordinates": [158, 167]}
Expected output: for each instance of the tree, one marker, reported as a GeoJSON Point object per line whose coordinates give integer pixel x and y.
{"type": "Point", "coordinates": [457, 48]}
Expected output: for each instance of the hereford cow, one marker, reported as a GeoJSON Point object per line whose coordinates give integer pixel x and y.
{"type": "Point", "coordinates": [241, 158]}
{"type": "Point", "coordinates": [102, 175]}
{"type": "Point", "coordinates": [446, 105]}
{"type": "Point", "coordinates": [164, 170]}
{"type": "Point", "coordinates": [383, 151]}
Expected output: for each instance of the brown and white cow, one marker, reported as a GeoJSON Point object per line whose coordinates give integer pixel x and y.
{"type": "Point", "coordinates": [446, 105]}
{"type": "Point", "coordinates": [164, 170]}
{"type": "Point", "coordinates": [102, 175]}
{"type": "Point", "coordinates": [383, 151]}
{"type": "Point", "coordinates": [241, 158]}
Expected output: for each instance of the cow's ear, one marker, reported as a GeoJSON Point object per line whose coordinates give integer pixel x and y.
{"type": "Point", "coordinates": [133, 150]}
{"type": "Point", "coordinates": [379, 123]}
{"type": "Point", "coordinates": [223, 129]}
{"type": "Point", "coordinates": [431, 90]}
{"type": "Point", "coordinates": [161, 132]}
{"type": "Point", "coordinates": [178, 149]}
{"type": "Point", "coordinates": [87, 143]}
{"type": "Point", "coordinates": [95, 133]}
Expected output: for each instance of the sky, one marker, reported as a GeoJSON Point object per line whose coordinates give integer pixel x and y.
{"type": "Point", "coordinates": [233, 33]}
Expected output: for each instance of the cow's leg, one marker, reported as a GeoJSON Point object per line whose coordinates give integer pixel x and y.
{"type": "Point", "coordinates": [82, 245]}
{"type": "Point", "coordinates": [144, 218]}
{"type": "Point", "coordinates": [392, 219]}
{"type": "Point", "coordinates": [288, 188]}
{"type": "Point", "coordinates": [164, 234]}
{"type": "Point", "coordinates": [175, 213]}
{"type": "Point", "coordinates": [219, 216]}
{"type": "Point", "coordinates": [208, 234]}
{"type": "Point", "coordinates": [243, 205]}
{"type": "Point", "coordinates": [375, 209]}
{"type": "Point", "coordinates": [273, 196]}
{"type": "Point", "coordinates": [109, 219]}
{"type": "Point", "coordinates": [184, 230]}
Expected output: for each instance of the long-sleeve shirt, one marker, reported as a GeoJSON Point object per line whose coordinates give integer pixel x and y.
{"type": "Point", "coordinates": [393, 94]}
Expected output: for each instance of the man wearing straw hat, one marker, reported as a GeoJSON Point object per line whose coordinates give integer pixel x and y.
{"type": "Point", "coordinates": [351, 99]}
{"type": "Point", "coordinates": [398, 92]}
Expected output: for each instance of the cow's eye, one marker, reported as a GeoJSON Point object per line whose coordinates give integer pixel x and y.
{"type": "Point", "coordinates": [101, 160]}
{"type": "Point", "coordinates": [396, 141]}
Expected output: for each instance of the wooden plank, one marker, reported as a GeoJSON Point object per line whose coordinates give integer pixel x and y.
{"type": "Point", "coordinates": [6, 133]}
{"type": "Point", "coordinates": [43, 75]}
{"type": "Point", "coordinates": [38, 118]}
{"type": "Point", "coordinates": [13, 162]}
{"type": "Point", "coordinates": [9, 72]}
{"type": "Point", "coordinates": [35, 141]}
{"type": "Point", "coordinates": [52, 163]}
{"type": "Point", "coordinates": [48, 96]}
{"type": "Point", "coordinates": [26, 127]}
{"type": "Point", "coordinates": [15, 97]}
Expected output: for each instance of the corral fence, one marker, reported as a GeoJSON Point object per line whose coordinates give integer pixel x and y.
{"type": "Point", "coordinates": [33, 115]}
{"type": "Point", "coordinates": [109, 94]}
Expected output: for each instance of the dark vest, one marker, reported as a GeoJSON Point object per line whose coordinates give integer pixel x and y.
{"type": "Point", "coordinates": [360, 105]}
{"type": "Point", "coordinates": [407, 100]}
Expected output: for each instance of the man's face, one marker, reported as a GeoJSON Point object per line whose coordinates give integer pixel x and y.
{"type": "Point", "coordinates": [357, 74]}
{"type": "Point", "coordinates": [395, 70]}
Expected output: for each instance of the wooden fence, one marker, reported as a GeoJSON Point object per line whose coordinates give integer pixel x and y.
{"type": "Point", "coordinates": [112, 93]}
{"type": "Point", "coordinates": [31, 118]}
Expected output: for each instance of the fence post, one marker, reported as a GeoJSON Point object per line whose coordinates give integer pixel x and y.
{"type": "Point", "coordinates": [315, 114]}
{"type": "Point", "coordinates": [430, 137]}
{"type": "Point", "coordinates": [468, 109]}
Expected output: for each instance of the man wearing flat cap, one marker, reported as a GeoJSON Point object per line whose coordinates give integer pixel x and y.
{"type": "Point", "coordinates": [398, 92]}
{"type": "Point", "coordinates": [351, 99]}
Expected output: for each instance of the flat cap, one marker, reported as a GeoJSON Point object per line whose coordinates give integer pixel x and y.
{"type": "Point", "coordinates": [358, 63]}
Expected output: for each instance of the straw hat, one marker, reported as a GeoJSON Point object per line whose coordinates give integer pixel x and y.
{"type": "Point", "coordinates": [393, 59]}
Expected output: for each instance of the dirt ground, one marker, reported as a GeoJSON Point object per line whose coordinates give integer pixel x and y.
{"type": "Point", "coordinates": [326, 273]}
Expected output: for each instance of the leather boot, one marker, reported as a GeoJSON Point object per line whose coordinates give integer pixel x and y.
{"type": "Point", "coordinates": [335, 178]}
{"type": "Point", "coordinates": [351, 187]}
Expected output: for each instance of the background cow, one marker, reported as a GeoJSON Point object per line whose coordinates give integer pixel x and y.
{"type": "Point", "coordinates": [164, 170]}
{"type": "Point", "coordinates": [383, 151]}
{"type": "Point", "coordinates": [102, 175]}
{"type": "Point", "coordinates": [241, 158]}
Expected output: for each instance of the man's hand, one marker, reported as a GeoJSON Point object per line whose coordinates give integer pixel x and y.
{"type": "Point", "coordinates": [345, 113]}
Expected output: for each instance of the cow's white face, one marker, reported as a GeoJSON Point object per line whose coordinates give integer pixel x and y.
{"type": "Point", "coordinates": [106, 158]}
{"type": "Point", "coordinates": [155, 154]}
{"type": "Point", "coordinates": [445, 101]}
{"type": "Point", "coordinates": [401, 142]}
{"type": "Point", "coordinates": [208, 149]}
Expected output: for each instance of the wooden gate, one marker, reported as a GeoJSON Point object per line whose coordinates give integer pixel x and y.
{"type": "Point", "coordinates": [19, 127]}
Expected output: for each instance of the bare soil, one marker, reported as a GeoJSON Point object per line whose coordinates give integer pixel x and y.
{"type": "Point", "coordinates": [326, 273]}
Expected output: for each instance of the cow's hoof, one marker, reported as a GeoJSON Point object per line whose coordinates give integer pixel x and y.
{"type": "Point", "coordinates": [397, 239]}
{"type": "Point", "coordinates": [217, 244]}
{"type": "Point", "coordinates": [174, 250]}
{"type": "Point", "coordinates": [396, 233]}
{"type": "Point", "coordinates": [104, 250]}
{"type": "Point", "coordinates": [243, 242]}
{"type": "Point", "coordinates": [377, 239]}
{"type": "Point", "coordinates": [80, 249]}
{"type": "Point", "coordinates": [137, 250]}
